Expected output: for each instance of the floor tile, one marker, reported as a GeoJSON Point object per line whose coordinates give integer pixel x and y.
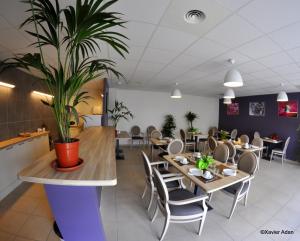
{"type": "Point", "coordinates": [6, 236]}
{"type": "Point", "coordinates": [12, 221]}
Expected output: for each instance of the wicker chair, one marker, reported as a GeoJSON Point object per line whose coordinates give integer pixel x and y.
{"type": "Point", "coordinates": [149, 131]}
{"type": "Point", "coordinates": [186, 142]}
{"type": "Point", "coordinates": [221, 153]}
{"type": "Point", "coordinates": [233, 134]}
{"type": "Point", "coordinates": [244, 138]}
{"type": "Point", "coordinates": [232, 151]}
{"type": "Point", "coordinates": [136, 135]}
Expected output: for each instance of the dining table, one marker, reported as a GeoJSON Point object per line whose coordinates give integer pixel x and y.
{"type": "Point", "coordinates": [157, 142]}
{"type": "Point", "coordinates": [198, 136]}
{"type": "Point", "coordinates": [218, 182]}
{"type": "Point", "coordinates": [270, 145]}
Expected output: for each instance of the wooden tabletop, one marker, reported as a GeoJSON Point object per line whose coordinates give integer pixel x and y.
{"type": "Point", "coordinates": [267, 139]}
{"type": "Point", "coordinates": [19, 139]}
{"type": "Point", "coordinates": [209, 187]}
{"type": "Point", "coordinates": [97, 149]}
{"type": "Point", "coordinates": [241, 148]}
{"type": "Point", "coordinates": [158, 142]}
{"type": "Point", "coordinates": [123, 135]}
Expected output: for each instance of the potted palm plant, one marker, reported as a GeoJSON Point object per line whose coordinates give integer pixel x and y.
{"type": "Point", "coordinates": [75, 34]}
{"type": "Point", "coordinates": [119, 112]}
{"type": "Point", "coordinates": [191, 117]}
{"type": "Point", "coordinates": [169, 126]}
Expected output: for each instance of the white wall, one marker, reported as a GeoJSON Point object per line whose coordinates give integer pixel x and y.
{"type": "Point", "coordinates": [149, 108]}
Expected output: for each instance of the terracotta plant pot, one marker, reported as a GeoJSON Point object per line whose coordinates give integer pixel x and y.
{"type": "Point", "coordinates": [67, 153]}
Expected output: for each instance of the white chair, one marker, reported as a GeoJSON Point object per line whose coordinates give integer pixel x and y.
{"type": "Point", "coordinates": [149, 131]}
{"type": "Point", "coordinates": [256, 134]}
{"type": "Point", "coordinates": [221, 153]}
{"type": "Point", "coordinates": [136, 135]}
{"type": "Point", "coordinates": [232, 151]}
{"type": "Point", "coordinates": [247, 163]}
{"type": "Point", "coordinates": [258, 142]}
{"type": "Point", "coordinates": [187, 143]}
{"type": "Point", "coordinates": [212, 144]}
{"type": "Point", "coordinates": [156, 134]}
{"type": "Point", "coordinates": [279, 152]}
{"type": "Point", "coordinates": [149, 178]}
{"type": "Point", "coordinates": [178, 206]}
{"type": "Point", "coordinates": [244, 138]}
{"type": "Point", "coordinates": [233, 134]}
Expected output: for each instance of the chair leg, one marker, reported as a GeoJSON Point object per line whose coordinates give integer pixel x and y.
{"type": "Point", "coordinates": [151, 199]}
{"type": "Point", "coordinates": [282, 159]}
{"type": "Point", "coordinates": [210, 197]}
{"type": "Point", "coordinates": [201, 226]}
{"type": "Point", "coordinates": [166, 225]}
{"type": "Point", "coordinates": [155, 213]}
{"type": "Point", "coordinates": [271, 156]}
{"type": "Point", "coordinates": [245, 199]}
{"type": "Point", "coordinates": [145, 190]}
{"type": "Point", "coordinates": [233, 207]}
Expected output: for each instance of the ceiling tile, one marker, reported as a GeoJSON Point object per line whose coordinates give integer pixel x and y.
{"type": "Point", "coordinates": [141, 10]}
{"type": "Point", "coordinates": [295, 54]}
{"type": "Point", "coordinates": [14, 11]}
{"type": "Point", "coordinates": [138, 34]}
{"type": "Point", "coordinates": [233, 5]}
{"type": "Point", "coordinates": [4, 24]}
{"type": "Point", "coordinates": [276, 60]}
{"type": "Point", "coordinates": [170, 39]}
{"type": "Point", "coordinates": [287, 69]}
{"type": "Point", "coordinates": [153, 67]}
{"type": "Point", "coordinates": [159, 56]}
{"type": "Point", "coordinates": [250, 67]}
{"type": "Point", "coordinates": [233, 32]}
{"type": "Point", "coordinates": [205, 49]}
{"type": "Point", "coordinates": [259, 48]}
{"type": "Point", "coordinates": [135, 53]}
{"type": "Point", "coordinates": [264, 74]}
{"type": "Point", "coordinates": [186, 61]}
{"type": "Point", "coordinates": [170, 72]}
{"type": "Point", "coordinates": [269, 15]}
{"type": "Point", "coordinates": [238, 57]}
{"type": "Point", "coordinates": [13, 39]}
{"type": "Point", "coordinates": [174, 16]}
{"type": "Point", "coordinates": [288, 37]}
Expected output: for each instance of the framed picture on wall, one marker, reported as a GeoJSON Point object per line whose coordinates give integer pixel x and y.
{"type": "Point", "coordinates": [257, 108]}
{"type": "Point", "coordinates": [288, 108]}
{"type": "Point", "coordinates": [233, 109]}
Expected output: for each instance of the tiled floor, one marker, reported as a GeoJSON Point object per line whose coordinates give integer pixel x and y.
{"type": "Point", "coordinates": [273, 205]}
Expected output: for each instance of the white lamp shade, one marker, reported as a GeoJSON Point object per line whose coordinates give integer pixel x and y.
{"type": "Point", "coordinates": [176, 94]}
{"type": "Point", "coordinates": [227, 101]}
{"type": "Point", "coordinates": [229, 94]}
{"type": "Point", "coordinates": [282, 96]}
{"type": "Point", "coordinates": [233, 78]}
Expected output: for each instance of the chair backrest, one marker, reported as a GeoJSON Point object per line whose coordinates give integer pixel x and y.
{"type": "Point", "coordinates": [175, 147]}
{"type": "Point", "coordinates": [183, 135]}
{"type": "Point", "coordinates": [135, 131]}
{"type": "Point", "coordinates": [231, 148]}
{"type": "Point", "coordinates": [256, 134]}
{"type": "Point", "coordinates": [150, 129]}
{"type": "Point", "coordinates": [221, 153]}
{"type": "Point", "coordinates": [248, 162]}
{"type": "Point", "coordinates": [258, 142]}
{"type": "Point", "coordinates": [244, 138]}
{"type": "Point", "coordinates": [213, 131]}
{"type": "Point", "coordinates": [286, 144]}
{"type": "Point", "coordinates": [156, 134]}
{"type": "Point", "coordinates": [212, 143]}
{"type": "Point", "coordinates": [161, 187]}
{"type": "Point", "coordinates": [233, 134]}
{"type": "Point", "coordinates": [147, 167]}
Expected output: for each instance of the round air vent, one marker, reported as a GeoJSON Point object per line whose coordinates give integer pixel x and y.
{"type": "Point", "coordinates": [194, 16]}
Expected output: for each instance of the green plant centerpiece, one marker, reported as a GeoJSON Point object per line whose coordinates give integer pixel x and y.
{"type": "Point", "coordinates": [119, 112]}
{"type": "Point", "coordinates": [191, 117]}
{"type": "Point", "coordinates": [75, 35]}
{"type": "Point", "coordinates": [224, 135]}
{"type": "Point", "coordinates": [204, 162]}
{"type": "Point", "coordinates": [169, 126]}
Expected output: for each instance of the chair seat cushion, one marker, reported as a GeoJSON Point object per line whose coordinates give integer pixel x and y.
{"type": "Point", "coordinates": [173, 184]}
{"type": "Point", "coordinates": [234, 188]}
{"type": "Point", "coordinates": [184, 210]}
{"type": "Point", "coordinates": [137, 137]}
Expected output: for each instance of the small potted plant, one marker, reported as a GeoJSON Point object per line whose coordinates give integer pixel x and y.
{"type": "Point", "coordinates": [191, 117]}
{"type": "Point", "coordinates": [169, 126]}
{"type": "Point", "coordinates": [224, 135]}
{"type": "Point", "coordinates": [119, 112]}
{"type": "Point", "coordinates": [204, 162]}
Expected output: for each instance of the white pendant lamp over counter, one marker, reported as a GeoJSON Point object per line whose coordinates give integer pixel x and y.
{"type": "Point", "coordinates": [282, 96]}
{"type": "Point", "coordinates": [176, 93]}
{"type": "Point", "coordinates": [227, 101]}
{"type": "Point", "coordinates": [229, 94]}
{"type": "Point", "coordinates": [233, 78]}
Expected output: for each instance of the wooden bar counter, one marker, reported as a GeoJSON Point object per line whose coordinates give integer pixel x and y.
{"type": "Point", "coordinates": [74, 197]}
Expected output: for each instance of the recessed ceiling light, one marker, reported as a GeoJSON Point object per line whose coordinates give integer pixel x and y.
{"type": "Point", "coordinates": [194, 16]}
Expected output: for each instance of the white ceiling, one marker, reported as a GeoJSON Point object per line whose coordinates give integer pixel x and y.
{"type": "Point", "coordinates": [263, 36]}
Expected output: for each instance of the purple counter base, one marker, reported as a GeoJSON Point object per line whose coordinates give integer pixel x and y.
{"type": "Point", "coordinates": [77, 212]}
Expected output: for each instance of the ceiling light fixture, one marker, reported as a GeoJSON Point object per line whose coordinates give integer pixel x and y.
{"type": "Point", "coordinates": [227, 101]}
{"type": "Point", "coordinates": [7, 85]}
{"type": "Point", "coordinates": [229, 94]}
{"type": "Point", "coordinates": [42, 94]}
{"type": "Point", "coordinates": [194, 16]}
{"type": "Point", "coordinates": [282, 96]}
{"type": "Point", "coordinates": [176, 93]}
{"type": "Point", "coordinates": [233, 77]}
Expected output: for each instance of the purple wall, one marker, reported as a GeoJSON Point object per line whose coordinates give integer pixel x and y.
{"type": "Point", "coordinates": [270, 123]}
